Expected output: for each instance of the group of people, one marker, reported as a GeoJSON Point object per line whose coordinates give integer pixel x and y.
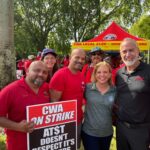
{"type": "Point", "coordinates": [44, 83]}
{"type": "Point", "coordinates": [58, 61]}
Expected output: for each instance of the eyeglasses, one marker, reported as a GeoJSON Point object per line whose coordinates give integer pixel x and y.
{"type": "Point", "coordinates": [96, 53]}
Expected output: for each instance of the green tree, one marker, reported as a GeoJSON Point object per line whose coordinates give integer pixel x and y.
{"type": "Point", "coordinates": [57, 22]}
{"type": "Point", "coordinates": [38, 18]}
{"type": "Point", "coordinates": [83, 19]}
{"type": "Point", "coordinates": [142, 27]}
{"type": "Point", "coordinates": [60, 42]}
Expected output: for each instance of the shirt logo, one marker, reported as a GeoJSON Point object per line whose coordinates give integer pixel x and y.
{"type": "Point", "coordinates": [110, 37]}
{"type": "Point", "coordinates": [110, 98]}
{"type": "Point", "coordinates": [139, 78]}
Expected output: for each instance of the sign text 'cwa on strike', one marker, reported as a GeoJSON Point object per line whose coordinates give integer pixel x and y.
{"type": "Point", "coordinates": [54, 113]}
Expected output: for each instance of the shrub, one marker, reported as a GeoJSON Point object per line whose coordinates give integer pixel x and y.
{"type": "Point", "coordinates": [2, 141]}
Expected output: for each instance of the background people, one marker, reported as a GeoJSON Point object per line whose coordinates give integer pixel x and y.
{"type": "Point", "coordinates": [49, 57]}
{"type": "Point", "coordinates": [96, 56]}
{"type": "Point", "coordinates": [65, 61]}
{"type": "Point", "coordinates": [13, 101]}
{"type": "Point", "coordinates": [28, 61]}
{"type": "Point", "coordinates": [133, 99]}
{"type": "Point", "coordinates": [68, 84]}
{"type": "Point", "coordinates": [97, 128]}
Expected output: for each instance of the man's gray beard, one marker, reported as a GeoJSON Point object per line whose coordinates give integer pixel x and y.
{"type": "Point", "coordinates": [38, 82]}
{"type": "Point", "coordinates": [131, 63]}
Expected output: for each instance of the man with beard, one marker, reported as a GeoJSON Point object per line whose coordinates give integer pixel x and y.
{"type": "Point", "coordinates": [132, 100]}
{"type": "Point", "coordinates": [96, 56]}
{"type": "Point", "coordinates": [15, 97]}
{"type": "Point", "coordinates": [68, 84]}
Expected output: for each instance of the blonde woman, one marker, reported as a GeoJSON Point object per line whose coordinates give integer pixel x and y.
{"type": "Point", "coordinates": [97, 128]}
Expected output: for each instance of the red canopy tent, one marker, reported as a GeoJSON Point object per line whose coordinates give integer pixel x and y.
{"type": "Point", "coordinates": [110, 39]}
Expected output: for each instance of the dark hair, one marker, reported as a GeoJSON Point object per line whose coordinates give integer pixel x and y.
{"type": "Point", "coordinates": [55, 68]}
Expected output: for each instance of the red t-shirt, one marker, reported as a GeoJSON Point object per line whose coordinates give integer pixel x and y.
{"type": "Point", "coordinates": [13, 101]}
{"type": "Point", "coordinates": [87, 73]}
{"type": "Point", "coordinates": [72, 87]}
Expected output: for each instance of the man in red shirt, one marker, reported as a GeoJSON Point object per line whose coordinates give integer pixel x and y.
{"type": "Point", "coordinates": [13, 101]}
{"type": "Point", "coordinates": [68, 84]}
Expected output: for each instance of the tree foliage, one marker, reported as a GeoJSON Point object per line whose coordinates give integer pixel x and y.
{"type": "Point", "coordinates": [57, 22]}
{"type": "Point", "coordinates": [85, 18]}
{"type": "Point", "coordinates": [142, 27]}
{"type": "Point", "coordinates": [36, 19]}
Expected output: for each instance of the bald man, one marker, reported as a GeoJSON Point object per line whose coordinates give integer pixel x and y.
{"type": "Point", "coordinates": [13, 101]}
{"type": "Point", "coordinates": [68, 84]}
{"type": "Point", "coordinates": [133, 99]}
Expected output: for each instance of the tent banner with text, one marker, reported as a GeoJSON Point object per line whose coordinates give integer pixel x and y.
{"type": "Point", "coordinates": [107, 45]}
{"type": "Point", "coordinates": [55, 126]}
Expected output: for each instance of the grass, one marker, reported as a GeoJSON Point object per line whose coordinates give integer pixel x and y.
{"type": "Point", "coordinates": [2, 141]}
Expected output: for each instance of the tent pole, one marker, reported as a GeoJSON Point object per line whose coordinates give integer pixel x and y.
{"type": "Point", "coordinates": [148, 56]}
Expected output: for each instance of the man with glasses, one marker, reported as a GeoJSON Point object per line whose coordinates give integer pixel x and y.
{"type": "Point", "coordinates": [96, 56]}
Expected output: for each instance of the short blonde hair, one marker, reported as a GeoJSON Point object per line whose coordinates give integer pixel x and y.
{"type": "Point", "coordinates": [93, 78]}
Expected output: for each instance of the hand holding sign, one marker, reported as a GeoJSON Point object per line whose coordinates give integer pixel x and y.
{"type": "Point", "coordinates": [25, 126]}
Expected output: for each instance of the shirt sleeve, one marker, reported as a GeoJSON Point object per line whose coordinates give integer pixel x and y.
{"type": "Point", "coordinates": [4, 102]}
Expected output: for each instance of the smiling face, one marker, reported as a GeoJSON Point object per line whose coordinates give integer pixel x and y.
{"type": "Point", "coordinates": [129, 52]}
{"type": "Point", "coordinates": [96, 57]}
{"type": "Point", "coordinates": [102, 73]}
{"type": "Point", "coordinates": [77, 60]}
{"type": "Point", "coordinates": [37, 73]}
{"type": "Point", "coordinates": [50, 61]}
